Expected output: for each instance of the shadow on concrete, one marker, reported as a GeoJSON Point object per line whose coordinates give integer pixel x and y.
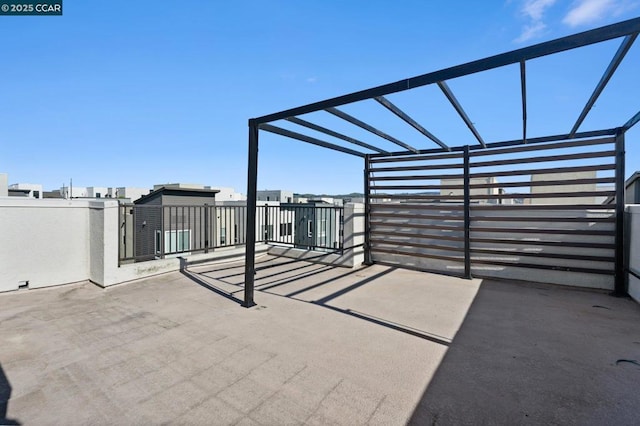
{"type": "Point", "coordinates": [193, 277]}
{"type": "Point", "coordinates": [5, 395]}
{"type": "Point", "coordinates": [300, 268]}
{"type": "Point", "coordinates": [537, 354]}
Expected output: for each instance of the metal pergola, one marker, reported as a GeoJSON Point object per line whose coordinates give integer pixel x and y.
{"type": "Point", "coordinates": [627, 30]}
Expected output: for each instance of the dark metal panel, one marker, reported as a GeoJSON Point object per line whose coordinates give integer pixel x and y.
{"type": "Point", "coordinates": [369, 128]}
{"type": "Point", "coordinates": [453, 228]}
{"type": "Point", "coordinates": [405, 117]}
{"type": "Point", "coordinates": [418, 236]}
{"type": "Point", "coordinates": [543, 159]}
{"type": "Point", "coordinates": [441, 206]}
{"type": "Point", "coordinates": [415, 254]}
{"type": "Point", "coordinates": [447, 217]}
{"type": "Point", "coordinates": [421, 167]}
{"type": "Point", "coordinates": [597, 35]}
{"type": "Point", "coordinates": [544, 207]}
{"type": "Point", "coordinates": [577, 244]}
{"type": "Point", "coordinates": [330, 132]}
{"type": "Point", "coordinates": [416, 177]}
{"type": "Point", "coordinates": [308, 139]}
{"type": "Point", "coordinates": [523, 90]}
{"type": "Point", "coordinates": [542, 147]}
{"type": "Point", "coordinates": [543, 183]}
{"type": "Point", "coordinates": [545, 267]}
{"type": "Point", "coordinates": [515, 142]}
{"type": "Point", "coordinates": [546, 170]}
{"type": "Point", "coordinates": [545, 195]}
{"type": "Point", "coordinates": [538, 218]}
{"type": "Point", "coordinates": [542, 231]}
{"type": "Point", "coordinates": [250, 247]}
{"type": "Point", "coordinates": [415, 157]}
{"type": "Point", "coordinates": [613, 65]}
{"type": "Point", "coordinates": [620, 282]}
{"type": "Point", "coordinates": [415, 187]}
{"type": "Point", "coordinates": [454, 102]}
{"type": "Point", "coordinates": [417, 245]}
{"type": "Point", "coordinates": [543, 254]}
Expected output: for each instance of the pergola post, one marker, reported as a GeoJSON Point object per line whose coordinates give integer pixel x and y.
{"type": "Point", "coordinates": [467, 215]}
{"type": "Point", "coordinates": [252, 185]}
{"type": "Point", "coordinates": [620, 279]}
{"type": "Point", "coordinates": [367, 211]}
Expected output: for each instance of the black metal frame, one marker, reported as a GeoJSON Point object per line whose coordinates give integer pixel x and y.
{"type": "Point", "coordinates": [628, 29]}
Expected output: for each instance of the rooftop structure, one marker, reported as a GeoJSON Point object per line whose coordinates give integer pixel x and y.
{"type": "Point", "coordinates": [401, 171]}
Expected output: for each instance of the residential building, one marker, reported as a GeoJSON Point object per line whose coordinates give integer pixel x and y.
{"type": "Point", "coordinates": [632, 189]}
{"type": "Point", "coordinates": [29, 190]}
{"type": "Point", "coordinates": [129, 193]}
{"type": "Point", "coordinates": [170, 220]}
{"type": "Point", "coordinates": [275, 195]}
{"type": "Point", "coordinates": [586, 187]}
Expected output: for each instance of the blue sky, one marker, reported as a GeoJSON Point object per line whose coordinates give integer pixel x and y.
{"type": "Point", "coordinates": [125, 93]}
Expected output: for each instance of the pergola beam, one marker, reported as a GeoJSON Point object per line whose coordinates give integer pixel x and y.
{"type": "Point", "coordinates": [613, 65]}
{"type": "Point", "coordinates": [365, 126]}
{"type": "Point", "coordinates": [308, 139]}
{"type": "Point", "coordinates": [330, 132]}
{"type": "Point", "coordinates": [449, 94]}
{"type": "Point", "coordinates": [632, 122]}
{"type": "Point", "coordinates": [407, 119]}
{"type": "Point", "coordinates": [523, 89]}
{"type": "Point", "coordinates": [586, 38]}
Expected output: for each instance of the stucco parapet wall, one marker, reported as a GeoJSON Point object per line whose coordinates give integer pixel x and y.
{"type": "Point", "coordinates": [633, 208]}
{"type": "Point", "coordinates": [633, 245]}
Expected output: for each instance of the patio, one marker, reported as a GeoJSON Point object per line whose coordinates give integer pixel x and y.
{"type": "Point", "coordinates": [375, 345]}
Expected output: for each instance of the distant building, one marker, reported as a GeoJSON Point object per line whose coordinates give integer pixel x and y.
{"type": "Point", "coordinates": [275, 195]}
{"type": "Point", "coordinates": [30, 190]}
{"type": "Point", "coordinates": [156, 221]}
{"type": "Point", "coordinates": [458, 193]}
{"type": "Point", "coordinates": [129, 193]}
{"type": "Point", "coordinates": [587, 187]}
{"type": "Point", "coordinates": [632, 189]}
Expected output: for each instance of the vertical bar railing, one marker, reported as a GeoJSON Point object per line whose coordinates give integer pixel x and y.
{"type": "Point", "coordinates": [620, 284]}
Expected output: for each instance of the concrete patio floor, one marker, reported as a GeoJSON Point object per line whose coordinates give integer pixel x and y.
{"type": "Point", "coordinates": [324, 345]}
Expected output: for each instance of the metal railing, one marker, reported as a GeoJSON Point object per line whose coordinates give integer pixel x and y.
{"type": "Point", "coordinates": [148, 232]}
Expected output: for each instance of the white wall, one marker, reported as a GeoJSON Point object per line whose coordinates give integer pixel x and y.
{"type": "Point", "coordinates": [52, 242]}
{"type": "Point", "coordinates": [633, 234]}
{"type": "Point", "coordinates": [4, 188]}
{"type": "Point", "coordinates": [44, 242]}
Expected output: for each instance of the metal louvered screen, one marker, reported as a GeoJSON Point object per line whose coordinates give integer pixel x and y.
{"type": "Point", "coordinates": [533, 212]}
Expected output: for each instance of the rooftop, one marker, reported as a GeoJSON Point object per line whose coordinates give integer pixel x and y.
{"type": "Point", "coordinates": [374, 345]}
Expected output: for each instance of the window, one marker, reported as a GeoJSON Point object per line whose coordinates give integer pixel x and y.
{"type": "Point", "coordinates": [223, 236]}
{"type": "Point", "coordinates": [235, 232]}
{"type": "Point", "coordinates": [158, 242]}
{"type": "Point", "coordinates": [98, 195]}
{"type": "Point", "coordinates": [177, 241]}
{"type": "Point", "coordinates": [309, 228]}
{"type": "Point", "coordinates": [323, 228]}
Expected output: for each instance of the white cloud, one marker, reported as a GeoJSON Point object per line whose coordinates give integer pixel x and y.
{"type": "Point", "coordinates": [531, 31]}
{"type": "Point", "coordinates": [534, 11]}
{"type": "Point", "coordinates": [588, 11]}
{"type": "Point", "coordinates": [312, 80]}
